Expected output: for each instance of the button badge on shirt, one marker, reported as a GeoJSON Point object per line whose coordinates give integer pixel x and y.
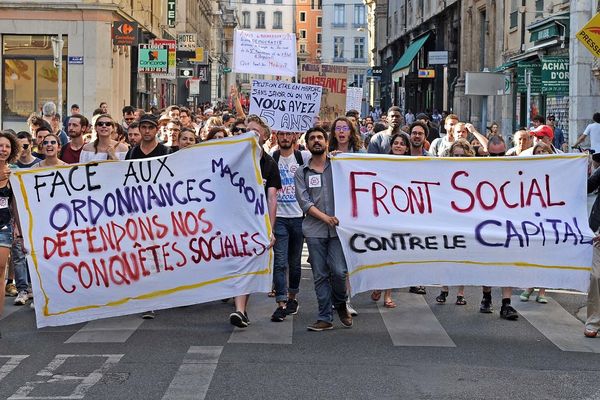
{"type": "Point", "coordinates": [314, 181]}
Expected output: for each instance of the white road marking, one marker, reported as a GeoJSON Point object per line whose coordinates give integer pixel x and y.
{"type": "Point", "coordinates": [109, 330]}
{"type": "Point", "coordinates": [412, 323]}
{"type": "Point", "coordinates": [60, 380]}
{"type": "Point", "coordinates": [12, 363]}
{"type": "Point", "coordinates": [193, 378]}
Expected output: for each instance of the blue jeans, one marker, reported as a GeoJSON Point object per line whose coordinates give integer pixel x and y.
{"type": "Point", "coordinates": [19, 261]}
{"type": "Point", "coordinates": [329, 273]}
{"type": "Point", "coordinates": [288, 254]}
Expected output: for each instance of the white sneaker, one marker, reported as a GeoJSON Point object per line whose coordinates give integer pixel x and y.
{"type": "Point", "coordinates": [32, 306]}
{"type": "Point", "coordinates": [351, 309]}
{"type": "Point", "coordinates": [22, 298]}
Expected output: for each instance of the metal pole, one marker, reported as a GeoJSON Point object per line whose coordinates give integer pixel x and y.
{"type": "Point", "coordinates": [484, 117]}
{"type": "Point", "coordinates": [58, 45]}
{"type": "Point", "coordinates": [528, 83]}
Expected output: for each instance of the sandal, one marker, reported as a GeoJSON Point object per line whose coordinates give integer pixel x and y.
{"type": "Point", "coordinates": [389, 304]}
{"type": "Point", "coordinates": [460, 301]}
{"type": "Point", "coordinates": [417, 290]}
{"type": "Point", "coordinates": [271, 293]}
{"type": "Point", "coordinates": [590, 333]}
{"type": "Point", "coordinates": [442, 297]}
{"type": "Point", "coordinates": [376, 295]}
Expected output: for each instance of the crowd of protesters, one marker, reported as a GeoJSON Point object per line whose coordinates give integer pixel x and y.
{"type": "Point", "coordinates": [291, 163]}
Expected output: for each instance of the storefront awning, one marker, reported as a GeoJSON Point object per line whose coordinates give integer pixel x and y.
{"type": "Point", "coordinates": [410, 53]}
{"type": "Point", "coordinates": [505, 66]}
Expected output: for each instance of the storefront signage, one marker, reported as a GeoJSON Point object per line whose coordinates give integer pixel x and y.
{"type": "Point", "coordinates": [426, 73]}
{"type": "Point", "coordinates": [171, 5]}
{"type": "Point", "coordinates": [536, 76]}
{"type": "Point", "coordinates": [555, 75]}
{"type": "Point", "coordinates": [153, 58]}
{"type": "Point", "coordinates": [437, 57]}
{"type": "Point", "coordinates": [186, 42]}
{"type": "Point", "coordinates": [377, 70]}
{"type": "Point", "coordinates": [172, 58]}
{"type": "Point", "coordinates": [124, 33]}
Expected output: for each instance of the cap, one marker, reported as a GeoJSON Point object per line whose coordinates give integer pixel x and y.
{"type": "Point", "coordinates": [543, 130]}
{"type": "Point", "coordinates": [422, 116]}
{"type": "Point", "coordinates": [74, 106]}
{"type": "Point", "coordinates": [148, 118]}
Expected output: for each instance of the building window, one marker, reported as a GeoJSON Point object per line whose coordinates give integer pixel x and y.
{"type": "Point", "coordinates": [319, 4]}
{"type": "Point", "coordinates": [246, 1]}
{"type": "Point", "coordinates": [277, 1]}
{"type": "Point", "coordinates": [539, 8]}
{"type": "Point", "coordinates": [277, 20]}
{"type": "Point", "coordinates": [319, 38]}
{"type": "Point", "coordinates": [319, 22]}
{"type": "Point", "coordinates": [29, 75]}
{"type": "Point", "coordinates": [514, 14]}
{"type": "Point", "coordinates": [260, 20]}
{"type": "Point", "coordinates": [302, 48]}
{"type": "Point", "coordinates": [302, 16]}
{"type": "Point", "coordinates": [339, 15]}
{"type": "Point", "coordinates": [302, 34]}
{"type": "Point", "coordinates": [359, 48]}
{"type": "Point", "coordinates": [246, 19]}
{"type": "Point", "coordinates": [260, 1]}
{"type": "Point", "coordinates": [338, 48]}
{"type": "Point", "coordinates": [358, 80]}
{"type": "Point", "coordinates": [359, 15]}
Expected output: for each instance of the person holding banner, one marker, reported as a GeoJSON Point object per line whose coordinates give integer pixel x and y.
{"type": "Point", "coordinates": [592, 323]}
{"type": "Point", "coordinates": [272, 182]}
{"type": "Point", "coordinates": [9, 150]}
{"type": "Point", "coordinates": [103, 147]}
{"type": "Point", "coordinates": [314, 191]}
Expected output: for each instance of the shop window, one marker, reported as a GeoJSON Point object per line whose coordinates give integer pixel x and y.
{"type": "Point", "coordinates": [29, 76]}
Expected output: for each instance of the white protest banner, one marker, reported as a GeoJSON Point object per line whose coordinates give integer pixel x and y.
{"type": "Point", "coordinates": [288, 107]}
{"type": "Point", "coordinates": [264, 53]}
{"type": "Point", "coordinates": [409, 221]}
{"type": "Point", "coordinates": [121, 237]}
{"type": "Point", "coordinates": [354, 97]}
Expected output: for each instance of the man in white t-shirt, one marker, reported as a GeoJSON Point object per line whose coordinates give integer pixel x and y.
{"type": "Point", "coordinates": [288, 227]}
{"type": "Point", "coordinates": [593, 132]}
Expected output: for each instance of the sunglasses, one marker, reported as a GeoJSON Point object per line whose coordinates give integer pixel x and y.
{"type": "Point", "coordinates": [47, 142]}
{"type": "Point", "coordinates": [243, 130]}
{"type": "Point", "coordinates": [104, 123]}
{"type": "Point", "coordinates": [497, 154]}
{"type": "Point", "coordinates": [25, 146]}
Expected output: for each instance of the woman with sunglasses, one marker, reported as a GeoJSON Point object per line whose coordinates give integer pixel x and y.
{"type": "Point", "coordinates": [400, 146]}
{"type": "Point", "coordinates": [51, 146]}
{"type": "Point", "coordinates": [103, 147]}
{"type": "Point", "coordinates": [10, 230]}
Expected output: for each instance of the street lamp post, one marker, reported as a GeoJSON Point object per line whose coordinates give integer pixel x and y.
{"type": "Point", "coordinates": [57, 46]}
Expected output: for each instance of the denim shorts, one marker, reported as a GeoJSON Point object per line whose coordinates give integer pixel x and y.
{"type": "Point", "coordinates": [6, 236]}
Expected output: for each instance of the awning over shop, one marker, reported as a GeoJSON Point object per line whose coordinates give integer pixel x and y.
{"type": "Point", "coordinates": [505, 66]}
{"type": "Point", "coordinates": [410, 53]}
{"type": "Point", "coordinates": [554, 26]}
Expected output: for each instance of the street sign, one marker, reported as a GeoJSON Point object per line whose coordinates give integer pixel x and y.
{"type": "Point", "coordinates": [377, 70]}
{"type": "Point", "coordinates": [172, 57]}
{"type": "Point", "coordinates": [589, 35]}
{"type": "Point", "coordinates": [124, 33]}
{"type": "Point", "coordinates": [186, 72]}
{"type": "Point", "coordinates": [171, 6]}
{"type": "Point", "coordinates": [194, 86]}
{"type": "Point", "coordinates": [226, 70]}
{"type": "Point", "coordinates": [153, 58]}
{"type": "Point", "coordinates": [555, 75]}
{"type": "Point", "coordinates": [426, 73]}
{"type": "Point", "coordinates": [438, 57]}
{"type": "Point", "coordinates": [76, 60]}
{"type": "Point", "coordinates": [186, 42]}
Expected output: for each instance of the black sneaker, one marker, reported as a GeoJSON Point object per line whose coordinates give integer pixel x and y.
{"type": "Point", "coordinates": [149, 315]}
{"type": "Point", "coordinates": [486, 306]}
{"type": "Point", "coordinates": [238, 319]}
{"type": "Point", "coordinates": [507, 312]}
{"type": "Point", "coordinates": [292, 307]}
{"type": "Point", "coordinates": [279, 314]}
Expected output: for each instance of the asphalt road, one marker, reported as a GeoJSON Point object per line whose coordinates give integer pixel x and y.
{"type": "Point", "coordinates": [419, 350]}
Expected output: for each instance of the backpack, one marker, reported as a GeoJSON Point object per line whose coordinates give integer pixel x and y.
{"type": "Point", "coordinates": [297, 154]}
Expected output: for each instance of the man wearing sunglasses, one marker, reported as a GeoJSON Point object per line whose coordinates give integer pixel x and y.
{"type": "Point", "coordinates": [26, 160]}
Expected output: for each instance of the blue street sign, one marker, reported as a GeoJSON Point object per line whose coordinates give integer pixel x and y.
{"type": "Point", "coordinates": [76, 60]}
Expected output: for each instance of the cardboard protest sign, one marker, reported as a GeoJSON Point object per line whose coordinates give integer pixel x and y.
{"type": "Point", "coordinates": [264, 53]}
{"type": "Point", "coordinates": [333, 79]}
{"type": "Point", "coordinates": [457, 224]}
{"type": "Point", "coordinates": [289, 107]}
{"type": "Point", "coordinates": [121, 237]}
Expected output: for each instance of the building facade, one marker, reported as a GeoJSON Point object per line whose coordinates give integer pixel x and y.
{"type": "Point", "coordinates": [346, 39]}
{"type": "Point", "coordinates": [309, 33]}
